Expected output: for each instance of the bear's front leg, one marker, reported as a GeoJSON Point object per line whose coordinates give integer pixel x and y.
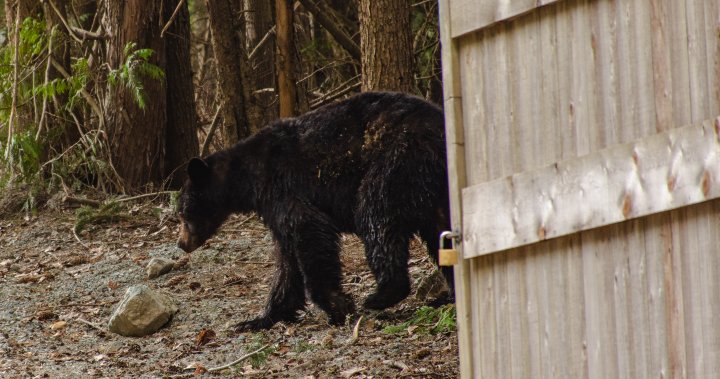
{"type": "Point", "coordinates": [287, 295]}
{"type": "Point", "coordinates": [318, 252]}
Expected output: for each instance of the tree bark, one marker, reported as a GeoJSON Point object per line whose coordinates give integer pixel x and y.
{"type": "Point", "coordinates": [338, 34]}
{"type": "Point", "coordinates": [260, 42]}
{"type": "Point", "coordinates": [181, 140]}
{"type": "Point", "coordinates": [136, 136]}
{"type": "Point", "coordinates": [284, 57]}
{"type": "Point", "coordinates": [22, 9]}
{"type": "Point", "coordinates": [386, 45]}
{"type": "Point", "coordinates": [227, 47]}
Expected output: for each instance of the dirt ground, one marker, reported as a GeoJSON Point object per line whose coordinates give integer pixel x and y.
{"type": "Point", "coordinates": [57, 294]}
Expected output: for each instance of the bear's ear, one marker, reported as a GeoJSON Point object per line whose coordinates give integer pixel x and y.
{"type": "Point", "coordinates": [198, 171]}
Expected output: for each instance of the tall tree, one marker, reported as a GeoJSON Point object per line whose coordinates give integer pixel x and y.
{"type": "Point", "coordinates": [181, 139]}
{"type": "Point", "coordinates": [139, 133]}
{"type": "Point", "coordinates": [135, 134]}
{"type": "Point", "coordinates": [259, 45]}
{"type": "Point", "coordinates": [285, 57]}
{"type": "Point", "coordinates": [386, 45]}
{"type": "Point", "coordinates": [227, 46]}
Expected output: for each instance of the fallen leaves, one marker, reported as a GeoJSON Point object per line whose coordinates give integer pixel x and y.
{"type": "Point", "coordinates": [205, 336]}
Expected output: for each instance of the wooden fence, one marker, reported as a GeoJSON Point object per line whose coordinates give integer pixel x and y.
{"type": "Point", "coordinates": [584, 156]}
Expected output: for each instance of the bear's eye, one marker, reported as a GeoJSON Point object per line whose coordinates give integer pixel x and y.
{"type": "Point", "coordinates": [189, 227]}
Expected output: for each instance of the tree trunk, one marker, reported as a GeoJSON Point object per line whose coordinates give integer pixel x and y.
{"type": "Point", "coordinates": [285, 57]}
{"type": "Point", "coordinates": [386, 45]}
{"type": "Point", "coordinates": [22, 9]}
{"type": "Point", "coordinates": [227, 46]}
{"type": "Point", "coordinates": [181, 140]}
{"type": "Point", "coordinates": [260, 42]}
{"type": "Point", "coordinates": [136, 136]}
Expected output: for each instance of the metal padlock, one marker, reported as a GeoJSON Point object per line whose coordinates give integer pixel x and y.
{"type": "Point", "coordinates": [447, 257]}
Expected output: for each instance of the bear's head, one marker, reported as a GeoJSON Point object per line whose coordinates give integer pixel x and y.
{"type": "Point", "coordinates": [202, 205]}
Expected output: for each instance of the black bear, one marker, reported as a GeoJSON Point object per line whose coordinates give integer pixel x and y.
{"type": "Point", "coordinates": [373, 164]}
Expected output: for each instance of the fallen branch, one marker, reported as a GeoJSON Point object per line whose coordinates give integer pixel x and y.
{"type": "Point", "coordinates": [338, 34]}
{"type": "Point", "coordinates": [172, 18]}
{"type": "Point", "coordinates": [244, 357]}
{"type": "Point", "coordinates": [124, 199]}
{"type": "Point", "coordinates": [72, 200]}
{"type": "Point", "coordinates": [213, 127]}
{"type": "Point", "coordinates": [90, 324]}
{"type": "Point", "coordinates": [74, 32]}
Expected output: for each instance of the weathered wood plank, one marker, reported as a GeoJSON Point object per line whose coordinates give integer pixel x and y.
{"type": "Point", "coordinates": [472, 15]}
{"type": "Point", "coordinates": [676, 24]}
{"type": "Point", "coordinates": [712, 36]}
{"type": "Point", "coordinates": [655, 174]}
{"type": "Point", "coordinates": [454, 133]}
{"type": "Point", "coordinates": [662, 75]}
{"type": "Point", "coordinates": [697, 60]}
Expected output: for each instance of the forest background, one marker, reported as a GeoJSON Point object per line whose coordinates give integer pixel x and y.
{"type": "Point", "coordinates": [116, 96]}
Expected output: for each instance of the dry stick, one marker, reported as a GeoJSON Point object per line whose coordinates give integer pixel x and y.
{"type": "Point", "coordinates": [85, 94]}
{"type": "Point", "coordinates": [338, 34]}
{"type": "Point", "coordinates": [143, 195]}
{"type": "Point", "coordinates": [73, 31]}
{"type": "Point", "coordinates": [233, 363]}
{"type": "Point", "coordinates": [13, 111]}
{"type": "Point", "coordinates": [90, 324]}
{"type": "Point", "coordinates": [262, 42]}
{"type": "Point", "coordinates": [172, 18]}
{"type": "Point", "coordinates": [41, 123]}
{"type": "Point", "coordinates": [213, 126]}
{"type": "Point", "coordinates": [79, 240]}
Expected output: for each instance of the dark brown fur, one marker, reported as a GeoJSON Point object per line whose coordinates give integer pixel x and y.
{"type": "Point", "coordinates": [373, 165]}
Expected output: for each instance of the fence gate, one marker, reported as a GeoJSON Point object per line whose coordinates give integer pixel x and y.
{"type": "Point", "coordinates": [584, 158]}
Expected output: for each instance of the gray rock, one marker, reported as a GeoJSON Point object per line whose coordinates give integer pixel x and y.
{"type": "Point", "coordinates": [142, 312]}
{"type": "Point", "coordinates": [159, 266]}
{"type": "Point", "coordinates": [432, 287]}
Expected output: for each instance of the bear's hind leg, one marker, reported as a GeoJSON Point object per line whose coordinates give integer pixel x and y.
{"type": "Point", "coordinates": [318, 252]}
{"type": "Point", "coordinates": [287, 295]}
{"type": "Point", "coordinates": [387, 255]}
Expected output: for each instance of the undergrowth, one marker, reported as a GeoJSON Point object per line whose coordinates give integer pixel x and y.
{"type": "Point", "coordinates": [427, 320]}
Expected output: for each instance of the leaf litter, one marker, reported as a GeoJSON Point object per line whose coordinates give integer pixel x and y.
{"type": "Point", "coordinates": [57, 293]}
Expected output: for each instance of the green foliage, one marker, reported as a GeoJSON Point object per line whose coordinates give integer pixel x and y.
{"type": "Point", "coordinates": [136, 67]}
{"type": "Point", "coordinates": [302, 346]}
{"type": "Point", "coordinates": [260, 359]}
{"type": "Point", "coordinates": [427, 320]}
{"type": "Point", "coordinates": [108, 212]}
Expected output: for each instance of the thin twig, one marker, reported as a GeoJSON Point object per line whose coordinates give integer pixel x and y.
{"type": "Point", "coordinates": [92, 325]}
{"type": "Point", "coordinates": [16, 62]}
{"type": "Point", "coordinates": [213, 127]}
{"type": "Point", "coordinates": [73, 31]}
{"type": "Point", "coordinates": [244, 357]}
{"type": "Point", "coordinates": [93, 104]}
{"type": "Point", "coordinates": [41, 123]}
{"type": "Point", "coordinates": [79, 240]}
{"type": "Point", "coordinates": [172, 18]}
{"type": "Point", "coordinates": [262, 42]}
{"type": "Point", "coordinates": [124, 199]}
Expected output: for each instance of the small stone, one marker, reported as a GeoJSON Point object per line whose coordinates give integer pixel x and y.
{"type": "Point", "coordinates": [142, 312]}
{"type": "Point", "coordinates": [159, 266]}
{"type": "Point", "coordinates": [432, 287]}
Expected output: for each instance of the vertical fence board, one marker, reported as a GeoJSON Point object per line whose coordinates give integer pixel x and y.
{"type": "Point", "coordinates": [539, 84]}
{"type": "Point", "coordinates": [676, 23]}
{"type": "Point", "coordinates": [697, 60]}
{"type": "Point", "coordinates": [712, 36]}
